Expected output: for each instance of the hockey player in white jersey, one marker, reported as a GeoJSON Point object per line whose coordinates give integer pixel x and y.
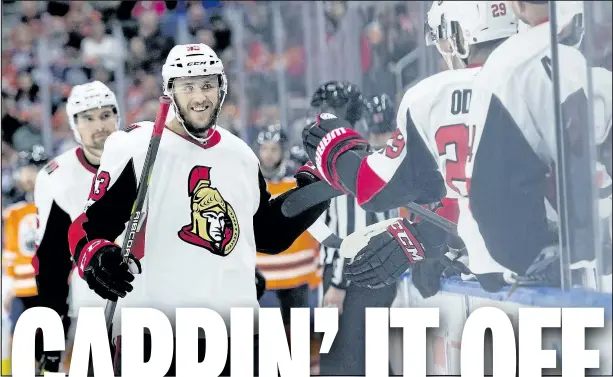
{"type": "Point", "coordinates": [515, 141]}
{"type": "Point", "coordinates": [207, 207]}
{"type": "Point", "coordinates": [62, 188]}
{"type": "Point", "coordinates": [432, 129]}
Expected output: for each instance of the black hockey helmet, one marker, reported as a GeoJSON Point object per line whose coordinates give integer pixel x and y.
{"type": "Point", "coordinates": [344, 99]}
{"type": "Point", "coordinates": [380, 114]}
{"type": "Point", "coordinates": [36, 156]}
{"type": "Point", "coordinates": [273, 133]}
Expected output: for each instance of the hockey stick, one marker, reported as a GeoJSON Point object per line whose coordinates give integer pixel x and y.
{"type": "Point", "coordinates": [318, 192]}
{"type": "Point", "coordinates": [143, 185]}
{"type": "Point", "coordinates": [434, 218]}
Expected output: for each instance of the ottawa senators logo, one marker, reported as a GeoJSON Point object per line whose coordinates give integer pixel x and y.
{"type": "Point", "coordinates": [214, 225]}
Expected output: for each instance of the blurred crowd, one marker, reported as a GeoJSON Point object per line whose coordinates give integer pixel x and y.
{"type": "Point", "coordinates": [86, 41]}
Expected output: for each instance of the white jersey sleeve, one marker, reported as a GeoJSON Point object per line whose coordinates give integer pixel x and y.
{"type": "Point", "coordinates": [515, 143]}
{"type": "Point", "coordinates": [113, 191]}
{"type": "Point", "coordinates": [402, 172]}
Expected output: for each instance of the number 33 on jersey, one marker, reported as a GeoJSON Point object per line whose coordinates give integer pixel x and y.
{"type": "Point", "coordinates": [439, 108]}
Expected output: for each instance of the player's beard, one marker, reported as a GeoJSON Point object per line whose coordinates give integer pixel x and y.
{"type": "Point", "coordinates": [98, 140]}
{"type": "Point", "coordinates": [198, 131]}
{"type": "Point", "coordinates": [96, 143]}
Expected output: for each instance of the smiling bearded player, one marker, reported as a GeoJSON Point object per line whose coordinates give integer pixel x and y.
{"type": "Point", "coordinates": [207, 208]}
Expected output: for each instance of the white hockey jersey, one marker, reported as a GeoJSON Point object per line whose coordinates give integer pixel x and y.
{"type": "Point", "coordinates": [207, 209]}
{"type": "Point", "coordinates": [439, 107]}
{"type": "Point", "coordinates": [515, 141]}
{"type": "Point", "coordinates": [61, 191]}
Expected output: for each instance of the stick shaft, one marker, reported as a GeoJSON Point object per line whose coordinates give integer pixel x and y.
{"type": "Point", "coordinates": [143, 185]}
{"type": "Point", "coordinates": [434, 218]}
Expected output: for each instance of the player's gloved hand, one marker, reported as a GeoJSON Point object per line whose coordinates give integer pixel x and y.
{"type": "Point", "coordinates": [260, 284]}
{"type": "Point", "coordinates": [388, 249]}
{"type": "Point", "coordinates": [104, 270]}
{"type": "Point", "coordinates": [426, 277]}
{"type": "Point", "coordinates": [328, 138]}
{"type": "Point", "coordinates": [311, 191]}
{"type": "Point", "coordinates": [307, 174]}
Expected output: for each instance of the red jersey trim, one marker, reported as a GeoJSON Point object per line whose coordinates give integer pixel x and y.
{"type": "Point", "coordinates": [368, 183]}
{"type": "Point", "coordinates": [213, 141]}
{"type": "Point", "coordinates": [76, 232]}
{"type": "Point", "coordinates": [84, 162]}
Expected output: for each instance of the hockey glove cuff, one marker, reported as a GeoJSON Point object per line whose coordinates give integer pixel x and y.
{"type": "Point", "coordinates": [388, 249]}
{"type": "Point", "coordinates": [307, 174]}
{"type": "Point", "coordinates": [326, 140]}
{"type": "Point", "coordinates": [88, 252]}
{"type": "Point", "coordinates": [103, 268]}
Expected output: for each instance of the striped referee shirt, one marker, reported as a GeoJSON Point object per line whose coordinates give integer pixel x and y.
{"type": "Point", "coordinates": [343, 217]}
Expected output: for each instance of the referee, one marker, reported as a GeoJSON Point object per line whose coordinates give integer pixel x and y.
{"type": "Point", "coordinates": [345, 216]}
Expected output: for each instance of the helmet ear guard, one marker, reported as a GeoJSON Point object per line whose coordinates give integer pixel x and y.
{"type": "Point", "coordinates": [454, 26]}
{"type": "Point", "coordinates": [448, 39]}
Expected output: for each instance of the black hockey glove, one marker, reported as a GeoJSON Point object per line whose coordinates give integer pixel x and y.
{"type": "Point", "coordinates": [393, 247]}
{"type": "Point", "coordinates": [307, 174]}
{"type": "Point", "coordinates": [103, 268]}
{"type": "Point", "coordinates": [260, 284]}
{"type": "Point", "coordinates": [426, 276]}
{"type": "Point", "coordinates": [325, 140]}
{"type": "Point", "coordinates": [312, 190]}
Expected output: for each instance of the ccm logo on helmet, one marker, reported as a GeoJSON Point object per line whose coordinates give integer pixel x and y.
{"type": "Point", "coordinates": [195, 63]}
{"type": "Point", "coordinates": [411, 247]}
{"type": "Point", "coordinates": [325, 141]}
{"type": "Point", "coordinates": [326, 116]}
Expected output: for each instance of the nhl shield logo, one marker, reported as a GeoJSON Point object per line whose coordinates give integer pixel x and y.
{"type": "Point", "coordinates": [214, 225]}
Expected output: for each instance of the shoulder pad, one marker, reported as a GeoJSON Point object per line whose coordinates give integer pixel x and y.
{"type": "Point", "coordinates": [51, 167]}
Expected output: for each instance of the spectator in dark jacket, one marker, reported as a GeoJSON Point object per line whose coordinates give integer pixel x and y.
{"type": "Point", "coordinates": [157, 45]}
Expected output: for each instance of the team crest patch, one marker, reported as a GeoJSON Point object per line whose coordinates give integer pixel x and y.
{"type": "Point", "coordinates": [131, 127]}
{"type": "Point", "coordinates": [214, 225]}
{"type": "Point", "coordinates": [51, 167]}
